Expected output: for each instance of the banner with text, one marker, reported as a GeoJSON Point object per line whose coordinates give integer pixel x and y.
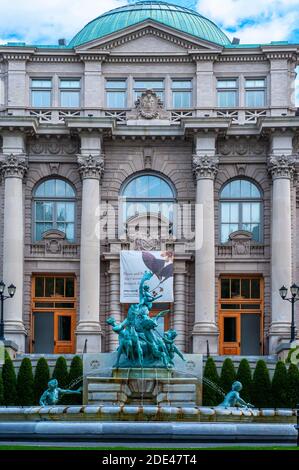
{"type": "Point", "coordinates": [133, 265]}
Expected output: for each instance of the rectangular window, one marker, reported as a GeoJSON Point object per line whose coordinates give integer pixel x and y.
{"type": "Point", "coordinates": [41, 93]}
{"type": "Point", "coordinates": [181, 94]}
{"type": "Point", "coordinates": [116, 93]}
{"type": "Point", "coordinates": [227, 93]}
{"type": "Point", "coordinates": [142, 85]}
{"type": "Point", "coordinates": [255, 93]}
{"type": "Point", "coordinates": [70, 93]}
{"type": "Point", "coordinates": [52, 286]}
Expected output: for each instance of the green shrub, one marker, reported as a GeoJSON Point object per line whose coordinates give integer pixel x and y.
{"type": "Point", "coordinates": [244, 376]}
{"type": "Point", "coordinates": [280, 386]}
{"type": "Point", "coordinates": [60, 372]}
{"type": "Point", "coordinates": [10, 396]}
{"type": "Point", "coordinates": [293, 386]}
{"type": "Point", "coordinates": [261, 386]}
{"type": "Point", "coordinates": [41, 379]}
{"type": "Point", "coordinates": [25, 383]}
{"type": "Point", "coordinates": [228, 375]}
{"type": "Point", "coordinates": [210, 396]}
{"type": "Point", "coordinates": [1, 391]}
{"type": "Point", "coordinates": [76, 373]}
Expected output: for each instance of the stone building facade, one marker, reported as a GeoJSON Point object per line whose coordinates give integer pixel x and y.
{"type": "Point", "coordinates": [153, 101]}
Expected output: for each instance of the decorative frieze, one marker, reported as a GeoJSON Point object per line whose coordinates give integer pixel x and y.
{"type": "Point", "coordinates": [205, 166]}
{"type": "Point", "coordinates": [14, 166]}
{"type": "Point", "coordinates": [53, 146]}
{"type": "Point", "coordinates": [281, 166]}
{"type": "Point", "coordinates": [242, 147]}
{"type": "Point", "coordinates": [91, 166]}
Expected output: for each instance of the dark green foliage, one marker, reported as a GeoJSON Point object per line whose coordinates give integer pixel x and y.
{"type": "Point", "coordinates": [60, 372]}
{"type": "Point", "coordinates": [76, 372]}
{"type": "Point", "coordinates": [25, 383]}
{"type": "Point", "coordinates": [41, 379]}
{"type": "Point", "coordinates": [293, 386]}
{"type": "Point", "coordinates": [279, 386]}
{"type": "Point", "coordinates": [9, 382]}
{"type": "Point", "coordinates": [228, 375]}
{"type": "Point", "coordinates": [1, 391]}
{"type": "Point", "coordinates": [210, 396]}
{"type": "Point", "coordinates": [244, 376]}
{"type": "Point", "coordinates": [261, 387]}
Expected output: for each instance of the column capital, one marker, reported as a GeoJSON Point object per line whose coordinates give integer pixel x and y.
{"type": "Point", "coordinates": [205, 166]}
{"type": "Point", "coordinates": [91, 166]}
{"type": "Point", "coordinates": [14, 166]}
{"type": "Point", "coordinates": [281, 166]}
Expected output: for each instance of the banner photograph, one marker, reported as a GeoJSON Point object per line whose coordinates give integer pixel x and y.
{"type": "Point", "coordinates": [133, 265]}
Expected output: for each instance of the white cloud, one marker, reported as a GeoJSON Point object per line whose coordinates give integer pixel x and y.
{"type": "Point", "coordinates": [44, 21]}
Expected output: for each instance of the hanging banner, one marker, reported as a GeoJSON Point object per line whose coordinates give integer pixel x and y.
{"type": "Point", "coordinates": [133, 265]}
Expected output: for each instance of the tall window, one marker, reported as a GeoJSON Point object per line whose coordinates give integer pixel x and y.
{"type": "Point", "coordinates": [116, 93]}
{"type": "Point", "coordinates": [227, 91]}
{"type": "Point", "coordinates": [241, 208]}
{"type": "Point", "coordinates": [255, 93]}
{"type": "Point", "coordinates": [54, 208]}
{"type": "Point", "coordinates": [181, 94]}
{"type": "Point", "coordinates": [41, 92]}
{"type": "Point", "coordinates": [149, 199]}
{"type": "Point", "coordinates": [142, 85]}
{"type": "Point", "coordinates": [70, 93]}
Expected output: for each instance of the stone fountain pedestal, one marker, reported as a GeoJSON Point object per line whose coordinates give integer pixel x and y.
{"type": "Point", "coordinates": [178, 387]}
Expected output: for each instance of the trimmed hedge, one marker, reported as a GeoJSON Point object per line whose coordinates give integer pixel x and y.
{"type": "Point", "coordinates": [210, 395]}
{"type": "Point", "coordinates": [261, 387]}
{"type": "Point", "coordinates": [10, 396]}
{"type": "Point", "coordinates": [244, 376]}
{"type": "Point", "coordinates": [1, 391]}
{"type": "Point", "coordinates": [60, 372]}
{"type": "Point", "coordinates": [76, 373]}
{"type": "Point", "coordinates": [41, 379]}
{"type": "Point", "coordinates": [293, 386]}
{"type": "Point", "coordinates": [228, 375]}
{"type": "Point", "coordinates": [280, 386]}
{"type": "Point", "coordinates": [25, 384]}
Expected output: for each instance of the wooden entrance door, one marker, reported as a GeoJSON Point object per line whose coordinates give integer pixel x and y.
{"type": "Point", "coordinates": [230, 334]}
{"type": "Point", "coordinates": [64, 327]}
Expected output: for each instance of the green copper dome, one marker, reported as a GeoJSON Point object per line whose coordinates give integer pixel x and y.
{"type": "Point", "coordinates": [176, 17]}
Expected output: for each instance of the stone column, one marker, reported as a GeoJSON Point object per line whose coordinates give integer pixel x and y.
{"type": "Point", "coordinates": [115, 306]}
{"type": "Point", "coordinates": [205, 166]}
{"type": "Point", "coordinates": [91, 168]}
{"type": "Point", "coordinates": [281, 169]}
{"type": "Point", "coordinates": [179, 309]}
{"type": "Point", "coordinates": [13, 169]}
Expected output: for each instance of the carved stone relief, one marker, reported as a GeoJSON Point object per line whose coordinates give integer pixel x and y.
{"type": "Point", "coordinates": [242, 147]}
{"type": "Point", "coordinates": [53, 146]}
{"type": "Point", "coordinates": [148, 106]}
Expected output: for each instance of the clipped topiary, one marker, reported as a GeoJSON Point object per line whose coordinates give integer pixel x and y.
{"type": "Point", "coordinates": [1, 391]}
{"type": "Point", "coordinates": [261, 386]}
{"type": "Point", "coordinates": [244, 376]}
{"type": "Point", "coordinates": [279, 386]}
{"type": "Point", "coordinates": [293, 386]}
{"type": "Point", "coordinates": [75, 381]}
{"type": "Point", "coordinates": [210, 384]}
{"type": "Point", "coordinates": [41, 379]}
{"type": "Point", "coordinates": [60, 372]}
{"type": "Point", "coordinates": [25, 383]}
{"type": "Point", "coordinates": [10, 396]}
{"type": "Point", "coordinates": [228, 375]}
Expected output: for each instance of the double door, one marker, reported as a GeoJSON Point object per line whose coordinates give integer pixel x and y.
{"type": "Point", "coordinates": [53, 332]}
{"type": "Point", "coordinates": [240, 333]}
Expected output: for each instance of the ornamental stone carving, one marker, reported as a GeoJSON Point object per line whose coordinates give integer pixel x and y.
{"type": "Point", "coordinates": [242, 147]}
{"type": "Point", "coordinates": [148, 106]}
{"type": "Point", "coordinates": [281, 166]}
{"type": "Point", "coordinates": [53, 146]}
{"type": "Point", "coordinates": [91, 166]}
{"type": "Point", "coordinates": [14, 166]}
{"type": "Point", "coordinates": [205, 166]}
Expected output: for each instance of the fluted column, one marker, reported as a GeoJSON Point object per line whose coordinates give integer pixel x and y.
{"type": "Point", "coordinates": [281, 169]}
{"type": "Point", "coordinates": [179, 310]}
{"type": "Point", "coordinates": [13, 169]}
{"type": "Point", "coordinates": [205, 329]}
{"type": "Point", "coordinates": [91, 168]}
{"type": "Point", "coordinates": [115, 306]}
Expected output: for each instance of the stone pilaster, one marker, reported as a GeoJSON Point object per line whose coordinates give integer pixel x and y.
{"type": "Point", "coordinates": [115, 306]}
{"type": "Point", "coordinates": [281, 168]}
{"type": "Point", "coordinates": [13, 169]}
{"type": "Point", "coordinates": [179, 309]}
{"type": "Point", "coordinates": [91, 169]}
{"type": "Point", "coordinates": [205, 166]}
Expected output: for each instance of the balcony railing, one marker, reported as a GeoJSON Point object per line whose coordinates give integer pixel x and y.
{"type": "Point", "coordinates": [65, 250]}
{"type": "Point", "coordinates": [249, 250]}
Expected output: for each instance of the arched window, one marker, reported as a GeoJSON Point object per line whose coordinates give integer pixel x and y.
{"type": "Point", "coordinates": [241, 209]}
{"type": "Point", "coordinates": [149, 200]}
{"type": "Point", "coordinates": [54, 208]}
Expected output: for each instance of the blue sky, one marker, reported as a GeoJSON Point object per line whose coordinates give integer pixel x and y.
{"type": "Point", "coordinates": [45, 21]}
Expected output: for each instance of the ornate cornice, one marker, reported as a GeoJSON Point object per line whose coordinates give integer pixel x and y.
{"type": "Point", "coordinates": [14, 166]}
{"type": "Point", "coordinates": [205, 166]}
{"type": "Point", "coordinates": [281, 166]}
{"type": "Point", "coordinates": [91, 166]}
